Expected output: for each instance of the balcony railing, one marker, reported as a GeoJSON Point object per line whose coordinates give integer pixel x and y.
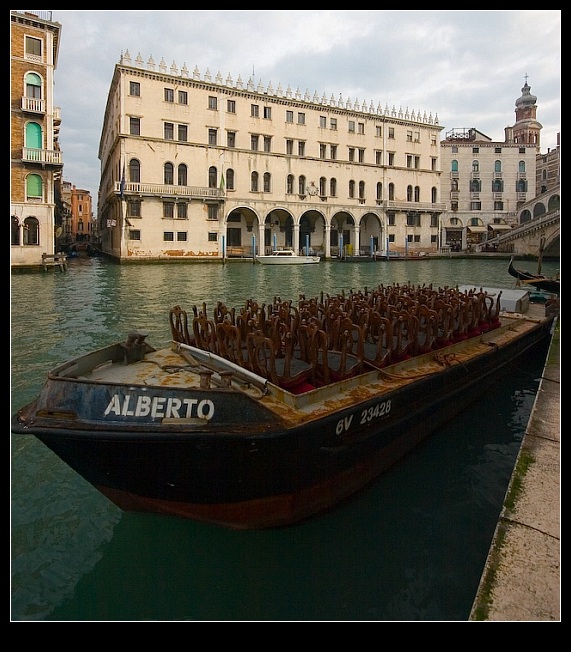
{"type": "Point", "coordinates": [414, 206]}
{"type": "Point", "coordinates": [33, 105]}
{"type": "Point", "coordinates": [167, 190]}
{"type": "Point", "coordinates": [44, 156]}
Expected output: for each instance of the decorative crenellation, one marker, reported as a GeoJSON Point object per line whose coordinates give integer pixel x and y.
{"type": "Point", "coordinates": [250, 85]}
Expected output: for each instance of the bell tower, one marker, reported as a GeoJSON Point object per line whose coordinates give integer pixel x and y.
{"type": "Point", "coordinates": [526, 129]}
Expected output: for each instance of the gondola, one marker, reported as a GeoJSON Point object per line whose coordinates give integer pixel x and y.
{"type": "Point", "coordinates": [538, 281]}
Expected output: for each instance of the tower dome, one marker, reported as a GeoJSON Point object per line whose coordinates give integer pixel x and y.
{"type": "Point", "coordinates": [526, 99]}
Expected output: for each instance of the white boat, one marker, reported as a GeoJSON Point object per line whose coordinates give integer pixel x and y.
{"type": "Point", "coordinates": [286, 257]}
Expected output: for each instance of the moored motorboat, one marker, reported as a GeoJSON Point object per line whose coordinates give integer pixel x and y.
{"type": "Point", "coordinates": [540, 282]}
{"type": "Point", "coordinates": [286, 257]}
{"type": "Point", "coordinates": [269, 414]}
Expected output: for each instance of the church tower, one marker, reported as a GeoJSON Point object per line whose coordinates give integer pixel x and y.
{"type": "Point", "coordinates": [526, 129]}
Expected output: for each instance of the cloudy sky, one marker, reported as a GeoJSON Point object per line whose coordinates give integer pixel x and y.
{"type": "Point", "coordinates": [467, 67]}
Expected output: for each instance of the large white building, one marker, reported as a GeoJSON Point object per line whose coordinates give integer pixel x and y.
{"type": "Point", "coordinates": [199, 168]}
{"type": "Point", "coordinates": [484, 183]}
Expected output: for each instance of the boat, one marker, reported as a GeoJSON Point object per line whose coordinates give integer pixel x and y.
{"type": "Point", "coordinates": [286, 257]}
{"type": "Point", "coordinates": [545, 283]}
{"type": "Point", "coordinates": [270, 414]}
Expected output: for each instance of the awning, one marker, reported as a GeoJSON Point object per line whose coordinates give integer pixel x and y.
{"type": "Point", "coordinates": [478, 229]}
{"type": "Point", "coordinates": [500, 227]}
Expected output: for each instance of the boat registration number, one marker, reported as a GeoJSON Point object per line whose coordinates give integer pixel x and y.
{"type": "Point", "coordinates": [377, 411]}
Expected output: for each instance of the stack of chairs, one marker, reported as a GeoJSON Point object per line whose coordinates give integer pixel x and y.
{"type": "Point", "coordinates": [330, 338]}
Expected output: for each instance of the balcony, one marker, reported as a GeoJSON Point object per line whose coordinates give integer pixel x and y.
{"type": "Point", "coordinates": [166, 190]}
{"type": "Point", "coordinates": [414, 206]}
{"type": "Point", "coordinates": [42, 156]}
{"type": "Point", "coordinates": [33, 105]}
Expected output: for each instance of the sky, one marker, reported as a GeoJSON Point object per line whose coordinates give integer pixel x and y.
{"type": "Point", "coordinates": [466, 67]}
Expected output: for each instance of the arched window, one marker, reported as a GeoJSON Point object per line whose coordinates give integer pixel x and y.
{"type": "Point", "coordinates": [168, 174]}
{"type": "Point", "coordinates": [229, 179]}
{"type": "Point", "coordinates": [267, 180]}
{"type": "Point", "coordinates": [475, 166]}
{"type": "Point", "coordinates": [475, 185]}
{"type": "Point", "coordinates": [454, 185]}
{"type": "Point", "coordinates": [379, 191]}
{"type": "Point", "coordinates": [333, 187]}
{"type": "Point", "coordinates": [409, 193]}
{"type": "Point", "coordinates": [497, 185]}
{"type": "Point", "coordinates": [497, 166]}
{"type": "Point", "coordinates": [33, 86]}
{"type": "Point", "coordinates": [34, 186]}
{"type": "Point", "coordinates": [134, 171]}
{"type": "Point", "coordinates": [361, 190]}
{"type": "Point", "coordinates": [521, 185]}
{"type": "Point", "coordinates": [391, 191]}
{"type": "Point", "coordinates": [212, 177]}
{"type": "Point", "coordinates": [417, 193]}
{"type": "Point", "coordinates": [15, 230]}
{"type": "Point", "coordinates": [521, 166]}
{"type": "Point", "coordinates": [351, 189]}
{"type": "Point", "coordinates": [322, 186]}
{"type": "Point", "coordinates": [254, 177]}
{"type": "Point", "coordinates": [31, 231]}
{"type": "Point", "coordinates": [182, 175]}
{"type": "Point", "coordinates": [289, 184]}
{"type": "Point", "coordinates": [301, 185]}
{"type": "Point", "coordinates": [454, 166]}
{"type": "Point", "coordinates": [33, 135]}
{"type": "Point", "coordinates": [434, 195]}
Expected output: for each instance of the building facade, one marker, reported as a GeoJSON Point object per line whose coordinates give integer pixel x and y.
{"type": "Point", "coordinates": [35, 158]}
{"type": "Point", "coordinates": [199, 168]}
{"type": "Point", "coordinates": [77, 225]}
{"type": "Point", "coordinates": [484, 183]}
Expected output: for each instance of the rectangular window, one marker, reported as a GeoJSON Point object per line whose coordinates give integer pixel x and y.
{"type": "Point", "coordinates": [378, 157]}
{"type": "Point", "coordinates": [475, 150]}
{"type": "Point", "coordinates": [135, 89]}
{"type": "Point", "coordinates": [289, 146]}
{"type": "Point", "coordinates": [254, 141]}
{"type": "Point", "coordinates": [361, 127]}
{"type": "Point", "coordinates": [169, 95]}
{"type": "Point", "coordinates": [498, 205]}
{"type": "Point", "coordinates": [379, 131]}
{"type": "Point", "coordinates": [433, 163]}
{"type": "Point", "coordinates": [134, 208]}
{"type": "Point", "coordinates": [361, 155]}
{"type": "Point", "coordinates": [255, 110]}
{"type": "Point", "coordinates": [391, 132]}
{"type": "Point", "coordinates": [213, 237]}
{"type": "Point", "coordinates": [169, 131]}
{"type": "Point", "coordinates": [497, 150]}
{"type": "Point", "coordinates": [333, 152]}
{"type": "Point", "coordinates": [301, 118]}
{"type": "Point", "coordinates": [168, 236]}
{"type": "Point", "coordinates": [181, 236]}
{"type": "Point", "coordinates": [323, 121]}
{"type": "Point", "coordinates": [267, 143]}
{"type": "Point", "coordinates": [391, 159]}
{"type": "Point", "coordinates": [409, 160]}
{"type": "Point", "coordinates": [181, 211]}
{"type": "Point", "coordinates": [409, 136]}
{"type": "Point", "coordinates": [416, 162]}
{"type": "Point", "coordinates": [322, 150]}
{"type": "Point", "coordinates": [475, 206]}
{"type": "Point", "coordinates": [168, 209]}
{"type": "Point", "coordinates": [267, 112]}
{"type": "Point", "coordinates": [134, 234]}
{"type": "Point", "coordinates": [351, 127]}
{"type": "Point", "coordinates": [351, 154]}
{"type": "Point", "coordinates": [231, 106]}
{"type": "Point", "coordinates": [33, 47]}
{"type": "Point", "coordinates": [231, 138]}
{"type": "Point", "coordinates": [212, 211]}
{"type": "Point", "coordinates": [212, 137]}
{"type": "Point", "coordinates": [392, 218]}
{"type": "Point", "coordinates": [432, 139]}
{"type": "Point", "coordinates": [289, 116]}
{"type": "Point", "coordinates": [417, 136]}
{"type": "Point", "coordinates": [522, 150]}
{"type": "Point", "coordinates": [333, 124]}
{"type": "Point", "coordinates": [134, 126]}
{"type": "Point", "coordinates": [182, 97]}
{"type": "Point", "coordinates": [213, 102]}
{"type": "Point", "coordinates": [183, 133]}
{"type": "Point", "coordinates": [301, 148]}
